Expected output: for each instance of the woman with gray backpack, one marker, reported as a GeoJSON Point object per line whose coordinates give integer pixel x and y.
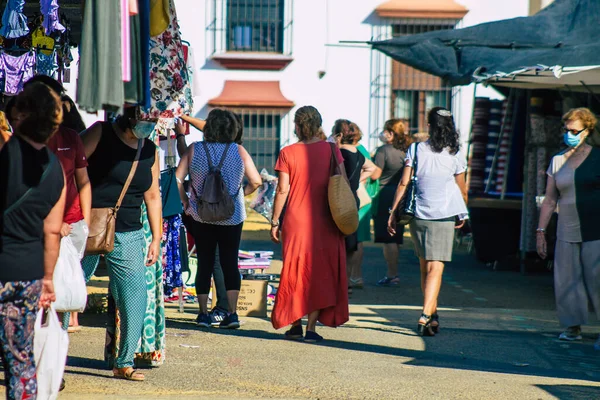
{"type": "Point", "coordinates": [217, 168]}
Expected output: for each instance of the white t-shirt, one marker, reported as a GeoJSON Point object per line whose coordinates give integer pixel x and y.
{"type": "Point", "coordinates": [438, 196]}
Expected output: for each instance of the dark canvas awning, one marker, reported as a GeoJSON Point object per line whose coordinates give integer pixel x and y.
{"type": "Point", "coordinates": [564, 35]}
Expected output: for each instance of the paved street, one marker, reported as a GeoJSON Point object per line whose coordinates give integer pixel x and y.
{"type": "Point", "coordinates": [498, 341]}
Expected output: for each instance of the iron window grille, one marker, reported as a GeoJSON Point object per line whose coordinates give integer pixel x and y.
{"type": "Point", "coordinates": [400, 91]}
{"type": "Point", "coordinates": [258, 26]}
{"type": "Point", "coordinates": [262, 135]}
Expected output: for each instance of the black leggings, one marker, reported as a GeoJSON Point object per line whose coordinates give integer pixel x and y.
{"type": "Point", "coordinates": [207, 238]}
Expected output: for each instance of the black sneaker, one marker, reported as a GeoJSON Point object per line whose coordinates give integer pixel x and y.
{"type": "Point", "coordinates": [231, 321]}
{"type": "Point", "coordinates": [217, 316]}
{"type": "Point", "coordinates": [203, 320]}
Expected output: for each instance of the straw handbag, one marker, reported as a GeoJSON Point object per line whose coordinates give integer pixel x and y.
{"type": "Point", "coordinates": [341, 200]}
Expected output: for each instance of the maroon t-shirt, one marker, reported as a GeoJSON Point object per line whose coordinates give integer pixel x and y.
{"type": "Point", "coordinates": [67, 145]}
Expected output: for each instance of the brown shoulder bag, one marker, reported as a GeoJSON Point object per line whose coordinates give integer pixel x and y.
{"type": "Point", "coordinates": [101, 239]}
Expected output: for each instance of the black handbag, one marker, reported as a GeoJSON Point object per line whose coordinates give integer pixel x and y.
{"type": "Point", "coordinates": [405, 212]}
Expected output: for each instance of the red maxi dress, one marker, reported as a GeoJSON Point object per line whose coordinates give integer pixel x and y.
{"type": "Point", "coordinates": [314, 255]}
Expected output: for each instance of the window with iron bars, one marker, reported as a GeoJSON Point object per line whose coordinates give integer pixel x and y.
{"type": "Point", "coordinates": [397, 90]}
{"type": "Point", "coordinates": [262, 135]}
{"type": "Point", "coordinates": [415, 92]}
{"type": "Point", "coordinates": [263, 26]}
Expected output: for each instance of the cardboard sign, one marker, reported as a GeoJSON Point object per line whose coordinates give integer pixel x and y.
{"type": "Point", "coordinates": [252, 301]}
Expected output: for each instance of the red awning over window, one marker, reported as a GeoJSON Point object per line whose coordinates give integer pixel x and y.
{"type": "Point", "coordinates": [251, 94]}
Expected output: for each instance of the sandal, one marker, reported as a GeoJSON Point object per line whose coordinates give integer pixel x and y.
{"type": "Point", "coordinates": [356, 283]}
{"type": "Point", "coordinates": [74, 329]}
{"type": "Point", "coordinates": [435, 322]}
{"type": "Point", "coordinates": [128, 374]}
{"type": "Point", "coordinates": [424, 329]}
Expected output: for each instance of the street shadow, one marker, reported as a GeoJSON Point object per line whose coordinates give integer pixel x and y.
{"type": "Point", "coordinates": [498, 351]}
{"type": "Point", "coordinates": [572, 392]}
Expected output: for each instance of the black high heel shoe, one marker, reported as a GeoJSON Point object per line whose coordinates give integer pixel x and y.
{"type": "Point", "coordinates": [435, 318]}
{"type": "Point", "coordinates": [425, 329]}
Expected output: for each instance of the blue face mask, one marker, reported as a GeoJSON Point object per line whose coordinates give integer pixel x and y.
{"type": "Point", "coordinates": [571, 140]}
{"type": "Point", "coordinates": [143, 129]}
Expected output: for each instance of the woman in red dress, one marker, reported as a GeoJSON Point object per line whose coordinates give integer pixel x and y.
{"type": "Point", "coordinates": [313, 280]}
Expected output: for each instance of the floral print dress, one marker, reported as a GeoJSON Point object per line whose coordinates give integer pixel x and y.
{"type": "Point", "coordinates": [170, 91]}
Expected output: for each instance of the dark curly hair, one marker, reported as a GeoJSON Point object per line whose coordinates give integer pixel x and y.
{"type": "Point", "coordinates": [40, 112]}
{"type": "Point", "coordinates": [400, 140]}
{"type": "Point", "coordinates": [442, 132]}
{"type": "Point", "coordinates": [239, 128]}
{"type": "Point", "coordinates": [308, 123]}
{"type": "Point", "coordinates": [221, 127]}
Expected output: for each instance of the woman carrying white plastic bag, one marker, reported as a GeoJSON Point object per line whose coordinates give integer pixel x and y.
{"type": "Point", "coordinates": [32, 203]}
{"type": "Point", "coordinates": [50, 347]}
{"type": "Point", "coordinates": [69, 281]}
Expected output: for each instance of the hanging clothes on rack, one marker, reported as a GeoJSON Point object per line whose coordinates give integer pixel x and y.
{"type": "Point", "coordinates": [40, 41]}
{"type": "Point", "coordinates": [137, 90]}
{"type": "Point", "coordinates": [171, 254]}
{"type": "Point", "coordinates": [51, 22]}
{"type": "Point", "coordinates": [15, 71]}
{"type": "Point", "coordinates": [47, 65]}
{"type": "Point", "coordinates": [125, 41]}
{"type": "Point", "coordinates": [100, 84]}
{"type": "Point", "coordinates": [171, 95]}
{"type": "Point", "coordinates": [14, 22]}
{"type": "Point", "coordinates": [159, 16]}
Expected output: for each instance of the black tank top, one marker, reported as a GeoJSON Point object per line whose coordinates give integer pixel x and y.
{"type": "Point", "coordinates": [353, 163]}
{"type": "Point", "coordinates": [108, 169]}
{"type": "Point", "coordinates": [32, 181]}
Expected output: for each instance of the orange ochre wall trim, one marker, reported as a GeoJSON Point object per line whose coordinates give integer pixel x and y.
{"type": "Point", "coordinates": [429, 9]}
{"type": "Point", "coordinates": [251, 94]}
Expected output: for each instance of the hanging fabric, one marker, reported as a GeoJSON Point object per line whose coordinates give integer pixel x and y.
{"type": "Point", "coordinates": [137, 89]}
{"type": "Point", "coordinates": [15, 71]}
{"type": "Point", "coordinates": [51, 22]}
{"type": "Point", "coordinates": [100, 84]}
{"type": "Point", "coordinates": [171, 95]}
{"type": "Point", "coordinates": [171, 254]}
{"type": "Point", "coordinates": [159, 16]}
{"type": "Point", "coordinates": [47, 65]}
{"type": "Point", "coordinates": [125, 41]}
{"type": "Point", "coordinates": [190, 62]}
{"type": "Point", "coordinates": [41, 42]}
{"type": "Point", "coordinates": [133, 7]}
{"type": "Point", "coordinates": [14, 22]}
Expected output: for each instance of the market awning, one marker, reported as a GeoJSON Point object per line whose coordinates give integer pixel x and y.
{"type": "Point", "coordinates": [562, 35]}
{"type": "Point", "coordinates": [542, 77]}
{"type": "Point", "coordinates": [430, 9]}
{"type": "Point", "coordinates": [251, 94]}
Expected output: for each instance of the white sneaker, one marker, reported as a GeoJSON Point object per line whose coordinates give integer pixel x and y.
{"type": "Point", "coordinates": [572, 333]}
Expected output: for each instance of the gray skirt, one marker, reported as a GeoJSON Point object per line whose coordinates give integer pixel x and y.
{"type": "Point", "coordinates": [433, 240]}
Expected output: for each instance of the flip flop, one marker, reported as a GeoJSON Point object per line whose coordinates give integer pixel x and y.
{"type": "Point", "coordinates": [74, 329]}
{"type": "Point", "coordinates": [128, 374]}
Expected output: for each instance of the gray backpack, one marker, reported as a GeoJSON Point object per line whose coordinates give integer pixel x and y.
{"type": "Point", "coordinates": [215, 203]}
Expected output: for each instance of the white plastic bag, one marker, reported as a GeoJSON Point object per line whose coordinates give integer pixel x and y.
{"type": "Point", "coordinates": [50, 347]}
{"type": "Point", "coordinates": [265, 197]}
{"type": "Point", "coordinates": [69, 281]}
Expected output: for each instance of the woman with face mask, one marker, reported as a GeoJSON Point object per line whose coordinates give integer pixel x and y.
{"type": "Point", "coordinates": [111, 148]}
{"type": "Point", "coordinates": [574, 186]}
